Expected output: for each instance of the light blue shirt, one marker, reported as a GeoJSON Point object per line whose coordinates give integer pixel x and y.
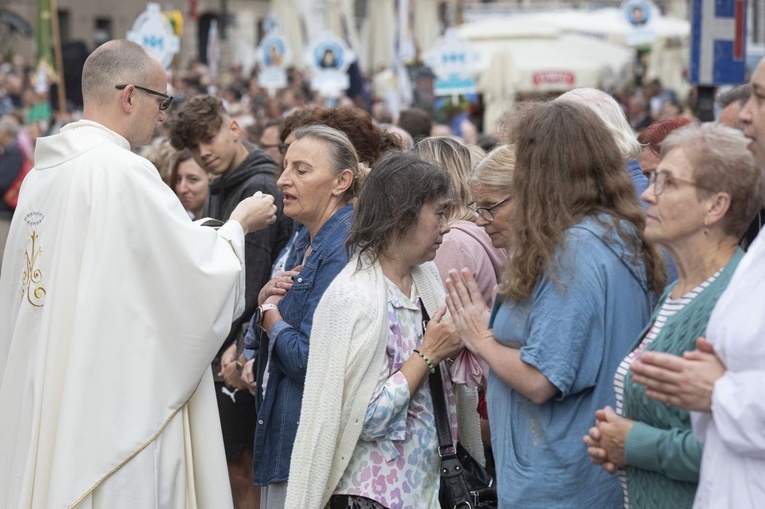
{"type": "Point", "coordinates": [575, 330]}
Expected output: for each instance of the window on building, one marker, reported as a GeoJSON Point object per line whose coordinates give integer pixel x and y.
{"type": "Point", "coordinates": [102, 31]}
{"type": "Point", "coordinates": [64, 22]}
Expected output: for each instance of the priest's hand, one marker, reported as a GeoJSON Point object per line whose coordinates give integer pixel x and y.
{"type": "Point", "coordinates": [686, 382]}
{"type": "Point", "coordinates": [255, 213]}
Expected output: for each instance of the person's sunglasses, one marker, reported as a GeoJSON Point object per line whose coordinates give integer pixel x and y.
{"type": "Point", "coordinates": [166, 99]}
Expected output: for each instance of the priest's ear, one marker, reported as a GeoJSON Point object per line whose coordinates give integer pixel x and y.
{"type": "Point", "coordinates": [127, 97]}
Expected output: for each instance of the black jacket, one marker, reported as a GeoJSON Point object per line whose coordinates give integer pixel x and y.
{"type": "Point", "coordinates": [256, 173]}
{"type": "Point", "coordinates": [11, 163]}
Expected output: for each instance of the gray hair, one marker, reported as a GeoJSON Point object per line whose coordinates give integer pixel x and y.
{"type": "Point", "coordinates": [739, 94]}
{"type": "Point", "coordinates": [495, 171]}
{"type": "Point", "coordinates": [612, 114]}
{"type": "Point", "coordinates": [721, 162]}
{"type": "Point", "coordinates": [116, 62]}
{"type": "Point", "coordinates": [343, 154]}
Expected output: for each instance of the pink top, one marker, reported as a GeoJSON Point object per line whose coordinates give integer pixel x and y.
{"type": "Point", "coordinates": [468, 245]}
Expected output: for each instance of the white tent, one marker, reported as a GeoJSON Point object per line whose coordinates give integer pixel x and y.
{"type": "Point", "coordinates": [544, 58]}
{"type": "Point", "coordinates": [668, 38]}
{"type": "Point", "coordinates": [529, 56]}
{"type": "Point", "coordinates": [610, 24]}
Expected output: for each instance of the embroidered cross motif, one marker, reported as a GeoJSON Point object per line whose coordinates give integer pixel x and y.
{"type": "Point", "coordinates": [32, 276]}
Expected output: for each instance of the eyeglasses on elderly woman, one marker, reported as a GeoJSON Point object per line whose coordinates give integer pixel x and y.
{"type": "Point", "coordinates": [487, 213]}
{"type": "Point", "coordinates": [661, 179]}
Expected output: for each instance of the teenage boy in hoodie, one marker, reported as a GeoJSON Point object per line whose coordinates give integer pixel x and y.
{"type": "Point", "coordinates": [203, 126]}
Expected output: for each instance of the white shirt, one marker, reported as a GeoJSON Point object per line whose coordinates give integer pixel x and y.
{"type": "Point", "coordinates": [113, 306]}
{"type": "Point", "coordinates": [733, 464]}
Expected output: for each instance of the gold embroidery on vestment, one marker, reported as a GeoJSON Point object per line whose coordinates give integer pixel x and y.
{"type": "Point", "coordinates": [32, 276]}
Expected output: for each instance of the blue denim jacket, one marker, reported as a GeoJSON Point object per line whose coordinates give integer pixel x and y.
{"type": "Point", "coordinates": [638, 179]}
{"type": "Point", "coordinates": [279, 407]}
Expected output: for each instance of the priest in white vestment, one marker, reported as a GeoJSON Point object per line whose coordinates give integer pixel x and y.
{"type": "Point", "coordinates": [113, 305]}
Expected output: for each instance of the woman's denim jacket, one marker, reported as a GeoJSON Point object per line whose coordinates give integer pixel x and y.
{"type": "Point", "coordinates": [279, 407]}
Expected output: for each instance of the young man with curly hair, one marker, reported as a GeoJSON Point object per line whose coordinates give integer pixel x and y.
{"type": "Point", "coordinates": [203, 126]}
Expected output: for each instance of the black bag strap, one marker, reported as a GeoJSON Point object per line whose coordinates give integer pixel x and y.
{"type": "Point", "coordinates": [452, 477]}
{"type": "Point", "coordinates": [439, 399]}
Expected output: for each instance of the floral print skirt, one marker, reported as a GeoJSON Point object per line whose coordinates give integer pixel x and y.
{"type": "Point", "coordinates": [352, 502]}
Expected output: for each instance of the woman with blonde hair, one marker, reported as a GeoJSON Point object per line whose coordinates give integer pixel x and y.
{"type": "Point", "coordinates": [491, 184]}
{"type": "Point", "coordinates": [574, 294]}
{"type": "Point", "coordinates": [466, 244]}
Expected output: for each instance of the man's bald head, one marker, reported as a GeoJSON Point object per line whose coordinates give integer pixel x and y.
{"type": "Point", "coordinates": [115, 63]}
{"type": "Point", "coordinates": [133, 110]}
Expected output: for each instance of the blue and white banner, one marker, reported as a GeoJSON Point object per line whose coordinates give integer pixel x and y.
{"type": "Point", "coordinates": [718, 42]}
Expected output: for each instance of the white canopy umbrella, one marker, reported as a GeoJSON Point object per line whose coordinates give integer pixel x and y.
{"type": "Point", "coordinates": [668, 37]}
{"type": "Point", "coordinates": [529, 56]}
{"type": "Point", "coordinates": [543, 58]}
{"type": "Point", "coordinates": [611, 25]}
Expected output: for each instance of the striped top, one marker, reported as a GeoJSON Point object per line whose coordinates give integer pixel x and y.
{"type": "Point", "coordinates": [668, 308]}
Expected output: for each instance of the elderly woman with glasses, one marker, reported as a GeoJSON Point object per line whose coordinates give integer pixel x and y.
{"type": "Point", "coordinates": [700, 201]}
{"type": "Point", "coordinates": [574, 295]}
{"type": "Point", "coordinates": [490, 185]}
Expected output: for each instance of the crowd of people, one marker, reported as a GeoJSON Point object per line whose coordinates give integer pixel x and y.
{"type": "Point", "coordinates": [235, 301]}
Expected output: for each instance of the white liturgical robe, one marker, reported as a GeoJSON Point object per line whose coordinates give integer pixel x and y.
{"type": "Point", "coordinates": [733, 464]}
{"type": "Point", "coordinates": [113, 306]}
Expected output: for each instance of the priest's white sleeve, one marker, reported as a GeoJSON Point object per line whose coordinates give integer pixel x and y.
{"type": "Point", "coordinates": [233, 233]}
{"type": "Point", "coordinates": [738, 410]}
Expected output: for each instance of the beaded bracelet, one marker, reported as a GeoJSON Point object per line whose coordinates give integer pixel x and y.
{"type": "Point", "coordinates": [431, 367]}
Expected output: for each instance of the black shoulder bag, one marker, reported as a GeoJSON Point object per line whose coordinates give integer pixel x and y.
{"type": "Point", "coordinates": [464, 482]}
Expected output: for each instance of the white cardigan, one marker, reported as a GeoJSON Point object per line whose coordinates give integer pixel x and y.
{"type": "Point", "coordinates": [348, 343]}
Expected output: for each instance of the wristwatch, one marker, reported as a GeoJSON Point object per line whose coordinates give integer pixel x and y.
{"type": "Point", "coordinates": [260, 313]}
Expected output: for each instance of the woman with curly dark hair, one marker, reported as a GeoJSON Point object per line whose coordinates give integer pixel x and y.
{"type": "Point", "coordinates": [574, 295]}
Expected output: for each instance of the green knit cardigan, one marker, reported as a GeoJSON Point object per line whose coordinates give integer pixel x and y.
{"type": "Point", "coordinates": [663, 457]}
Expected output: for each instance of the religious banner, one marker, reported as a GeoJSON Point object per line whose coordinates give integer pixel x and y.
{"type": "Point", "coordinates": [454, 62]}
{"type": "Point", "coordinates": [328, 58]}
{"type": "Point", "coordinates": [641, 16]}
{"type": "Point", "coordinates": [153, 31]}
{"type": "Point", "coordinates": [273, 55]}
